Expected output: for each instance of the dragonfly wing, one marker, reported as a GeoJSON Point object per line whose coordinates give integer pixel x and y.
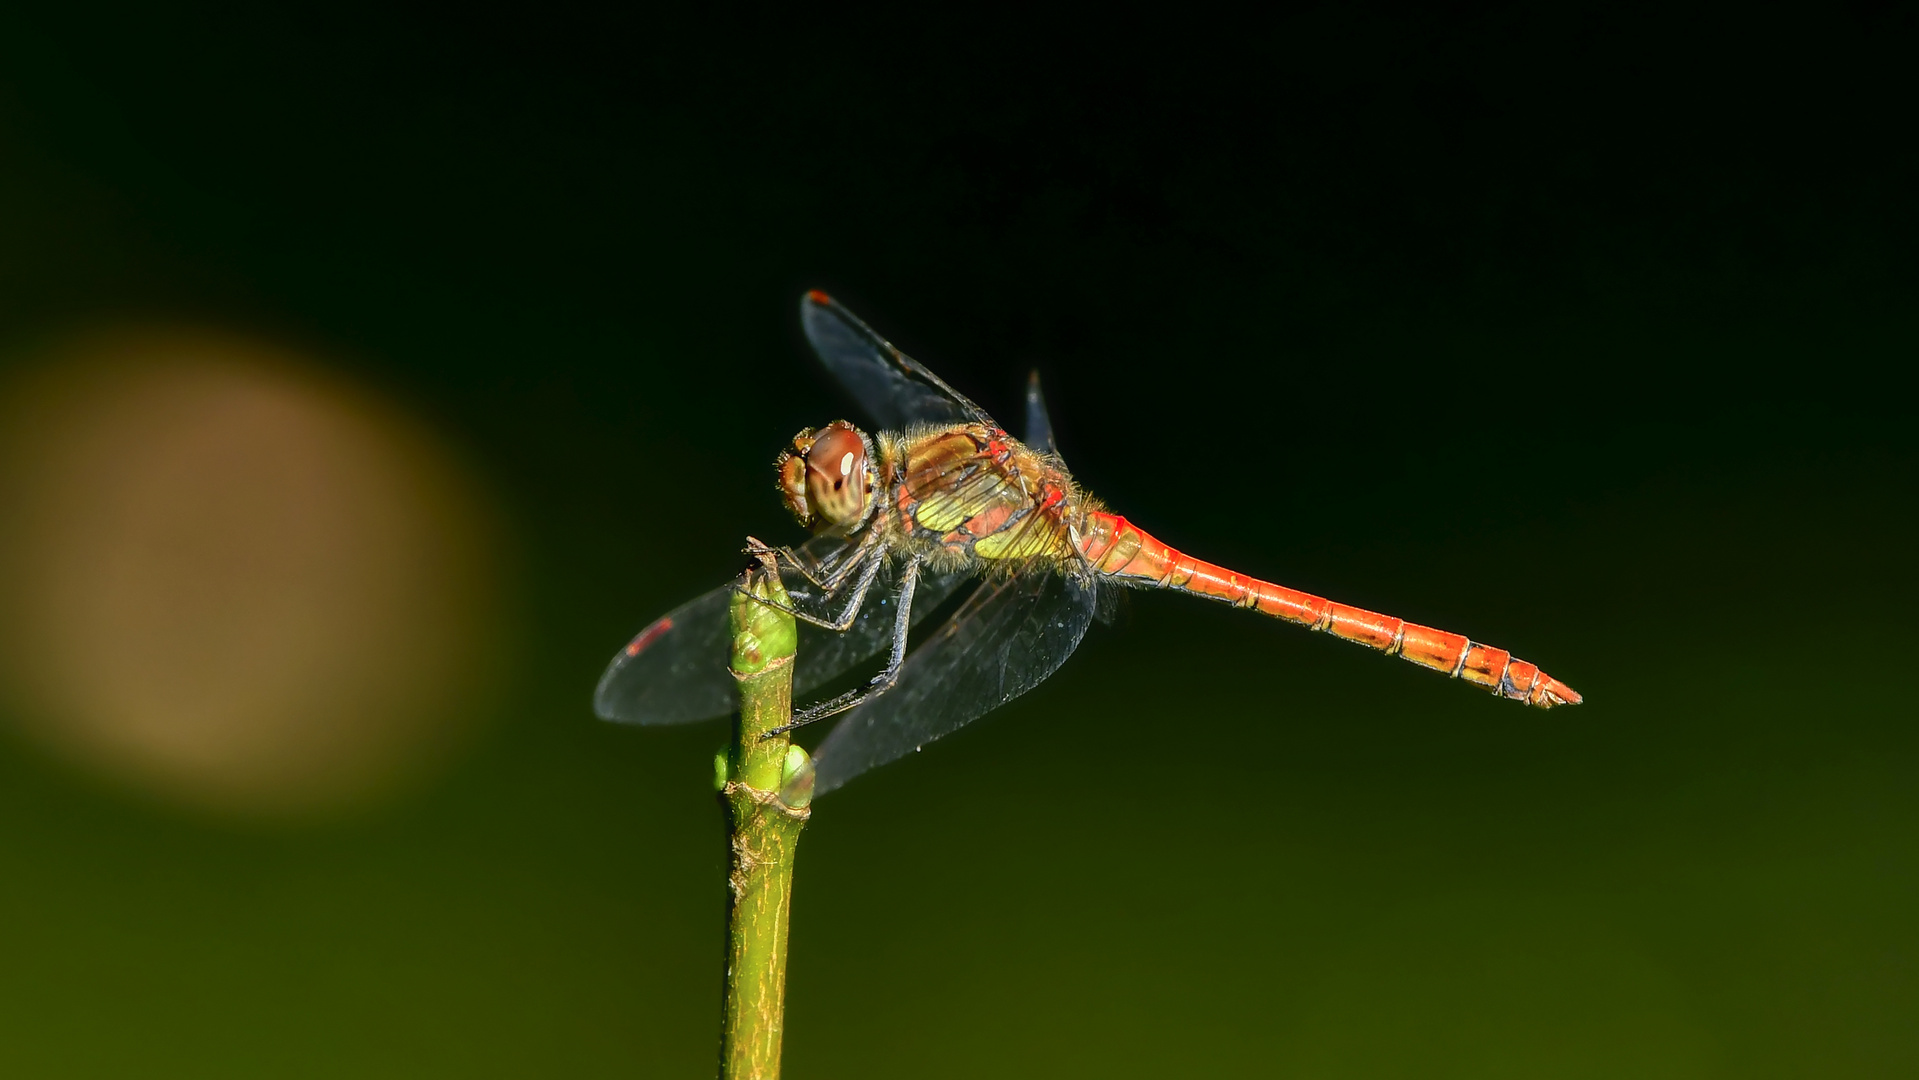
{"type": "Point", "coordinates": [675, 671]}
{"type": "Point", "coordinates": [1007, 638]}
{"type": "Point", "coordinates": [1039, 426]}
{"type": "Point", "coordinates": [895, 388]}
{"type": "Point", "coordinates": [824, 655]}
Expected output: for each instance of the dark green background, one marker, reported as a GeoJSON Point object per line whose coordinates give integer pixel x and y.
{"type": "Point", "coordinates": [1584, 334]}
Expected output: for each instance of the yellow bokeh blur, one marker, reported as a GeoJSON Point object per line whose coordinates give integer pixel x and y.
{"type": "Point", "coordinates": [232, 581]}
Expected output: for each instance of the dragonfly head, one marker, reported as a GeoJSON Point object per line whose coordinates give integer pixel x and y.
{"type": "Point", "coordinates": [826, 477]}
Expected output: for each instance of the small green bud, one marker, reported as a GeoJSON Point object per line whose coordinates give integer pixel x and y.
{"type": "Point", "coordinates": [719, 771]}
{"type": "Point", "coordinates": [796, 778]}
{"type": "Point", "coordinates": [796, 760]}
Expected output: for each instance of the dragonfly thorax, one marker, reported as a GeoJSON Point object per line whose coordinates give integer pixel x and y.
{"type": "Point", "coordinates": [826, 477]}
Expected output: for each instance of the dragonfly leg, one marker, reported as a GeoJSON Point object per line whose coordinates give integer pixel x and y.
{"type": "Point", "coordinates": [849, 610]}
{"type": "Point", "coordinates": [793, 558]}
{"type": "Point", "coordinates": [836, 578]}
{"type": "Point", "coordinates": [806, 565]}
{"type": "Point", "coordinates": [878, 684]}
{"type": "Point", "coordinates": [822, 574]}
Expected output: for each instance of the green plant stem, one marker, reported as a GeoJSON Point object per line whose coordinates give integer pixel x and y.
{"type": "Point", "coordinates": [765, 833]}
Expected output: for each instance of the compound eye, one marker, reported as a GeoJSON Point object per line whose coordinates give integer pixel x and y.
{"type": "Point", "coordinates": [837, 482]}
{"type": "Point", "coordinates": [793, 486]}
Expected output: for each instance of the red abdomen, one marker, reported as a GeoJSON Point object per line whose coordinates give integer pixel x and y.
{"type": "Point", "coordinates": [1121, 551]}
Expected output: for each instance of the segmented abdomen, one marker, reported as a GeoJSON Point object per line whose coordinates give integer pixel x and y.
{"type": "Point", "coordinates": [1119, 549]}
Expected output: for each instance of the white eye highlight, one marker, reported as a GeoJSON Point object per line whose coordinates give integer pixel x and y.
{"type": "Point", "coordinates": [846, 464]}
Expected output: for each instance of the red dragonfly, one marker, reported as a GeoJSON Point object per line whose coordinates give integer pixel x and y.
{"type": "Point", "coordinates": [941, 495]}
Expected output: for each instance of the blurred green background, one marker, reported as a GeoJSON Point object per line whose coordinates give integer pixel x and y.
{"type": "Point", "coordinates": [1583, 333]}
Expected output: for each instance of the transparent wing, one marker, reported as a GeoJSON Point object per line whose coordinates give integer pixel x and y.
{"type": "Point", "coordinates": [824, 655]}
{"type": "Point", "coordinates": [895, 389]}
{"type": "Point", "coordinates": [1039, 426]}
{"type": "Point", "coordinates": [674, 671]}
{"type": "Point", "coordinates": [1006, 639]}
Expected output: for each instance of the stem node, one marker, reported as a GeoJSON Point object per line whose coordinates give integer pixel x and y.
{"type": "Point", "coordinates": [764, 830]}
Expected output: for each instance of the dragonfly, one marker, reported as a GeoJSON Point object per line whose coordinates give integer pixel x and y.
{"type": "Point", "coordinates": [937, 497]}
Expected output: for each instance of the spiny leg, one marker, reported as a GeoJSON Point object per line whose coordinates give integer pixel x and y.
{"type": "Point", "coordinates": [881, 683]}
{"type": "Point", "coordinates": [805, 565]}
{"type": "Point", "coordinates": [827, 574]}
{"type": "Point", "coordinates": [850, 559]}
{"type": "Point", "coordinates": [801, 563]}
{"type": "Point", "coordinates": [849, 611]}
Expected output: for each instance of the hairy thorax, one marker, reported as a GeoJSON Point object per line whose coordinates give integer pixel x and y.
{"type": "Point", "coordinates": [972, 494]}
